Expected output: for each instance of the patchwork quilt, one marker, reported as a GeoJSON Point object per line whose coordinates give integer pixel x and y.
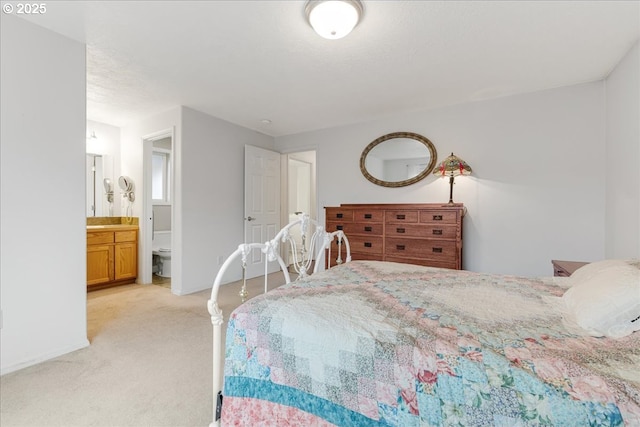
{"type": "Point", "coordinates": [372, 343]}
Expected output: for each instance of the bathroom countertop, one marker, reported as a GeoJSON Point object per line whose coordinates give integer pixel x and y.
{"type": "Point", "coordinates": [111, 227]}
{"type": "Point", "coordinates": [111, 220]}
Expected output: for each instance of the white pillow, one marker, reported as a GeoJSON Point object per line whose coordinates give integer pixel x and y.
{"type": "Point", "coordinates": [604, 299]}
{"type": "Point", "coordinates": [588, 270]}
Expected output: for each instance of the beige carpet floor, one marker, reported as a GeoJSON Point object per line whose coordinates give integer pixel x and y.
{"type": "Point", "coordinates": [149, 364]}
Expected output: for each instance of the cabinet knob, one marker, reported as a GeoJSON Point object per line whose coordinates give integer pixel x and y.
{"type": "Point", "coordinates": [400, 247]}
{"type": "Point", "coordinates": [437, 232]}
{"type": "Point", "coordinates": [369, 229]}
{"type": "Point", "coordinates": [400, 230]}
{"type": "Point", "coordinates": [436, 250]}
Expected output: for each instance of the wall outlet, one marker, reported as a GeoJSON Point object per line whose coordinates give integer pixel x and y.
{"type": "Point", "coordinates": [1, 318]}
{"type": "Point", "coordinates": [220, 260]}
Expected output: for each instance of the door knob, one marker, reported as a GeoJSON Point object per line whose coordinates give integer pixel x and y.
{"type": "Point", "coordinates": [250, 218]}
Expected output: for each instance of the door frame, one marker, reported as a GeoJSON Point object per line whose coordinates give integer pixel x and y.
{"type": "Point", "coordinates": [284, 177]}
{"type": "Point", "coordinates": [309, 159]}
{"type": "Point", "coordinates": [146, 237]}
{"type": "Point", "coordinates": [284, 185]}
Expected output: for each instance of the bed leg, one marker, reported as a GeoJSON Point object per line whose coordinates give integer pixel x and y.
{"type": "Point", "coordinates": [218, 406]}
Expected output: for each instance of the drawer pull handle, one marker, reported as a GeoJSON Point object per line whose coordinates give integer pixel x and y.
{"type": "Point", "coordinates": [367, 244]}
{"type": "Point", "coordinates": [400, 247]}
{"type": "Point", "coordinates": [339, 227]}
{"type": "Point", "coordinates": [400, 217]}
{"type": "Point", "coordinates": [339, 215]}
{"type": "Point", "coordinates": [368, 216]}
{"type": "Point", "coordinates": [369, 229]}
{"type": "Point", "coordinates": [437, 250]}
{"type": "Point", "coordinates": [437, 232]}
{"type": "Point", "coordinates": [437, 217]}
{"type": "Point", "coordinates": [399, 230]}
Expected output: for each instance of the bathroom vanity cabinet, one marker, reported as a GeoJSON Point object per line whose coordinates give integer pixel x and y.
{"type": "Point", "coordinates": [112, 255]}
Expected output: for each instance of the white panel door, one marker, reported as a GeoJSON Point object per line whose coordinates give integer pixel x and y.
{"type": "Point", "coordinates": [261, 203]}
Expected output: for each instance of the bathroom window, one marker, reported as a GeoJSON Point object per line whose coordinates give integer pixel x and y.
{"type": "Point", "coordinates": [160, 176]}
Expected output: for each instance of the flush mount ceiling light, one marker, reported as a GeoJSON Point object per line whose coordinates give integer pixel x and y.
{"type": "Point", "coordinates": [333, 19]}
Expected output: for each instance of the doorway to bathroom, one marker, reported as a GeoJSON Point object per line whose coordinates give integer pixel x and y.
{"type": "Point", "coordinates": [159, 194]}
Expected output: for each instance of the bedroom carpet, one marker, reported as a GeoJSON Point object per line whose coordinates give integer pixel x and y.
{"type": "Point", "coordinates": [149, 364]}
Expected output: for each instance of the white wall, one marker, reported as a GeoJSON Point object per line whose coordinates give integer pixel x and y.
{"type": "Point", "coordinates": [43, 239]}
{"type": "Point", "coordinates": [537, 192]}
{"type": "Point", "coordinates": [212, 194]}
{"type": "Point", "coordinates": [209, 190]}
{"type": "Point", "coordinates": [623, 158]}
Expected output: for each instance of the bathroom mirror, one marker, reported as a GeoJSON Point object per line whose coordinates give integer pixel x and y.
{"type": "Point", "coordinates": [98, 169]}
{"type": "Point", "coordinates": [398, 159]}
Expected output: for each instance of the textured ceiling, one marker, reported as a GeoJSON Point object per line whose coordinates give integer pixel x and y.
{"type": "Point", "coordinates": [245, 61]}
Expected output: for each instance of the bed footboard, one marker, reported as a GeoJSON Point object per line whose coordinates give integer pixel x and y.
{"type": "Point", "coordinates": [217, 318]}
{"type": "Point", "coordinates": [318, 245]}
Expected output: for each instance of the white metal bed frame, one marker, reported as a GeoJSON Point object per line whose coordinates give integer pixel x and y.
{"type": "Point", "coordinates": [303, 258]}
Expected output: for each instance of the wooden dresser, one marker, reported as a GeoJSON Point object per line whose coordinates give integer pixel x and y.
{"type": "Point", "coordinates": [425, 234]}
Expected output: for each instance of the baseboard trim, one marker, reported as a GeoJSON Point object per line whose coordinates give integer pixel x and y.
{"type": "Point", "coordinates": [43, 358]}
{"type": "Point", "coordinates": [182, 292]}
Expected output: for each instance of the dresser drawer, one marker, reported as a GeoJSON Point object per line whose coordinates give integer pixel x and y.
{"type": "Point", "coordinates": [374, 215]}
{"type": "Point", "coordinates": [126, 236]}
{"type": "Point", "coordinates": [335, 226]}
{"type": "Point", "coordinates": [97, 238]}
{"type": "Point", "coordinates": [339, 214]}
{"type": "Point", "coordinates": [421, 248]}
{"type": "Point", "coordinates": [426, 262]}
{"type": "Point", "coordinates": [355, 256]}
{"type": "Point", "coordinates": [438, 217]}
{"type": "Point", "coordinates": [422, 231]}
{"type": "Point", "coordinates": [401, 217]}
{"type": "Point", "coordinates": [366, 244]}
{"type": "Point", "coordinates": [372, 229]}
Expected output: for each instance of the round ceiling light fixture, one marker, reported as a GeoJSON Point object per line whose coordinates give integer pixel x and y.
{"type": "Point", "coordinates": [333, 19]}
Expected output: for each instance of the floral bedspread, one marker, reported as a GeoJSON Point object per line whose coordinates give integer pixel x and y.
{"type": "Point", "coordinates": [382, 344]}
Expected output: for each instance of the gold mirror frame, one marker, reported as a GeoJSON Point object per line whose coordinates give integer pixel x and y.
{"type": "Point", "coordinates": [394, 135]}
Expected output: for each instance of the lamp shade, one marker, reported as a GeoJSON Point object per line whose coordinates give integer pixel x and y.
{"type": "Point", "coordinates": [333, 19]}
{"type": "Point", "coordinates": [452, 166]}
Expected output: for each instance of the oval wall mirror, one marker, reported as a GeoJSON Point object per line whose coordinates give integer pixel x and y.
{"type": "Point", "coordinates": [398, 159]}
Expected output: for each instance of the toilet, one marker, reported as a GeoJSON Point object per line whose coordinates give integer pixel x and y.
{"type": "Point", "coordinates": [161, 246]}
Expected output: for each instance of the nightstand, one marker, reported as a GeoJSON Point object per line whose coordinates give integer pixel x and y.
{"type": "Point", "coordinates": [565, 268]}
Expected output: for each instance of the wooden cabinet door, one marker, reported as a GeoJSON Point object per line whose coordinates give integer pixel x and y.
{"type": "Point", "coordinates": [99, 264]}
{"type": "Point", "coordinates": [126, 261]}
